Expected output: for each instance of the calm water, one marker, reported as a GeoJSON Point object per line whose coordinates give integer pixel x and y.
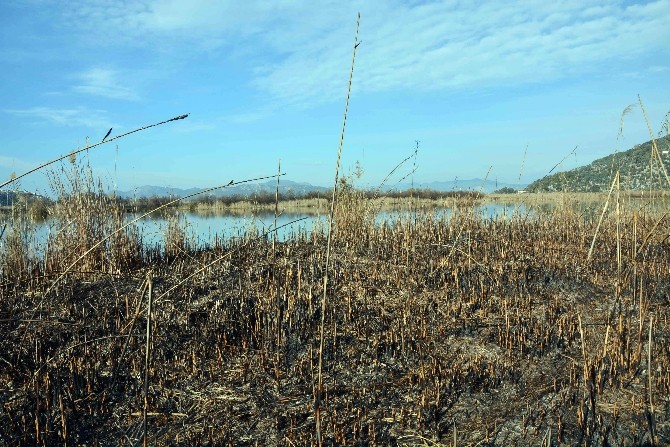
{"type": "Point", "coordinates": [205, 230]}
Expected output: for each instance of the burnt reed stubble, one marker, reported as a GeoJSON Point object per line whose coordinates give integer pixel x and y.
{"type": "Point", "coordinates": [499, 325]}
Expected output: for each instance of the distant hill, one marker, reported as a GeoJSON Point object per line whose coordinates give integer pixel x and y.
{"type": "Point", "coordinates": [8, 197]}
{"type": "Point", "coordinates": [156, 191]}
{"type": "Point", "coordinates": [475, 184]}
{"type": "Point", "coordinates": [287, 188]}
{"type": "Point", "coordinates": [597, 176]}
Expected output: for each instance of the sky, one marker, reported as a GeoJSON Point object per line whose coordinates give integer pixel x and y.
{"type": "Point", "coordinates": [504, 89]}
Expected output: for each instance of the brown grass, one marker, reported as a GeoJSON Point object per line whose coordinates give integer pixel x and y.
{"type": "Point", "coordinates": [501, 328]}
{"type": "Point", "coordinates": [544, 328]}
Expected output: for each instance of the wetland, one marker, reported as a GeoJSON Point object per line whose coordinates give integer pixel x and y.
{"type": "Point", "coordinates": [439, 328]}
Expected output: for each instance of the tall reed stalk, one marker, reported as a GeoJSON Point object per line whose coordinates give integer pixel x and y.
{"type": "Point", "coordinates": [73, 153]}
{"type": "Point", "coordinates": [147, 357]}
{"type": "Point", "coordinates": [319, 388]}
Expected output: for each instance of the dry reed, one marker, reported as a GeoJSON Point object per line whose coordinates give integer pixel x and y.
{"type": "Point", "coordinates": [443, 329]}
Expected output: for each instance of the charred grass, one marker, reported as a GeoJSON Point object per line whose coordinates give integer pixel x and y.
{"type": "Point", "coordinates": [463, 331]}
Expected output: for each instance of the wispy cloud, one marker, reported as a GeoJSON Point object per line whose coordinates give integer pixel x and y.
{"type": "Point", "coordinates": [249, 117]}
{"type": "Point", "coordinates": [438, 47]}
{"type": "Point", "coordinates": [217, 122]}
{"type": "Point", "coordinates": [195, 126]}
{"type": "Point", "coordinates": [104, 82]}
{"type": "Point", "coordinates": [428, 46]}
{"type": "Point", "coordinates": [75, 117]}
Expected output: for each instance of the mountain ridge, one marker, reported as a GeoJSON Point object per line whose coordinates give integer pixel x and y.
{"type": "Point", "coordinates": [633, 165]}
{"type": "Point", "coordinates": [288, 188]}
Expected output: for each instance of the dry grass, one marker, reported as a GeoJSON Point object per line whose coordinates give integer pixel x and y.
{"type": "Point", "coordinates": [451, 330]}
{"type": "Point", "coordinates": [246, 207]}
{"type": "Point", "coordinates": [501, 327]}
{"type": "Point", "coordinates": [86, 215]}
{"type": "Point", "coordinates": [16, 258]}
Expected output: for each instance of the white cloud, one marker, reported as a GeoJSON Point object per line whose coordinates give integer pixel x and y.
{"type": "Point", "coordinates": [217, 122]}
{"type": "Point", "coordinates": [195, 126]}
{"type": "Point", "coordinates": [104, 82]}
{"type": "Point", "coordinates": [75, 117]}
{"type": "Point", "coordinates": [430, 46]}
{"type": "Point", "coordinates": [249, 117]}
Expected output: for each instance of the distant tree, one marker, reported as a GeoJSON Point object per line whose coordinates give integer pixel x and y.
{"type": "Point", "coordinates": [505, 190]}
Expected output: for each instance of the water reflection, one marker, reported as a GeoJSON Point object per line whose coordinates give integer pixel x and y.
{"type": "Point", "coordinates": [207, 229]}
{"type": "Point", "coordinates": [483, 211]}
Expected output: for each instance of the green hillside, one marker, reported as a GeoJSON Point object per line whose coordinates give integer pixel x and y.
{"type": "Point", "coordinates": [634, 166]}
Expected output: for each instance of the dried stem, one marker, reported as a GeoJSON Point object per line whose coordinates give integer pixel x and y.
{"type": "Point", "coordinates": [147, 352]}
{"type": "Point", "coordinates": [655, 154]}
{"type": "Point", "coordinates": [165, 205]}
{"type": "Point", "coordinates": [319, 388]}
{"type": "Point", "coordinates": [43, 165]}
{"type": "Point", "coordinates": [602, 215]}
{"type": "Point", "coordinates": [650, 374]}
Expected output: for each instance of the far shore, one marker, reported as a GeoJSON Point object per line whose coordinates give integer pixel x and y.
{"type": "Point", "coordinates": [321, 205]}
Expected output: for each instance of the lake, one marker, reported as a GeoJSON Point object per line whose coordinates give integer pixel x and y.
{"type": "Point", "coordinates": [205, 229]}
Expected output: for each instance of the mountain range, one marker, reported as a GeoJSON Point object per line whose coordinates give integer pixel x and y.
{"type": "Point", "coordinates": [634, 165]}
{"type": "Point", "coordinates": [288, 188]}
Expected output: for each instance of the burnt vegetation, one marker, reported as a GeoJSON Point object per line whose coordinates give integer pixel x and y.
{"type": "Point", "coordinates": [535, 328]}
{"type": "Point", "coordinates": [484, 331]}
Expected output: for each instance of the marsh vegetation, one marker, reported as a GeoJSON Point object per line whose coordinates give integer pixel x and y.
{"type": "Point", "coordinates": [440, 330]}
{"type": "Point", "coordinates": [428, 329]}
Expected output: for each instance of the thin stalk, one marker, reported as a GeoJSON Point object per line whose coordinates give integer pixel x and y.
{"type": "Point", "coordinates": [600, 221]}
{"type": "Point", "coordinates": [523, 162]}
{"type": "Point", "coordinates": [274, 239]}
{"type": "Point", "coordinates": [165, 205]}
{"type": "Point", "coordinates": [454, 432]}
{"type": "Point", "coordinates": [319, 389]}
{"type": "Point", "coordinates": [634, 255]}
{"type": "Point", "coordinates": [652, 422]}
{"type": "Point", "coordinates": [412, 205]}
{"type": "Point", "coordinates": [654, 148]}
{"type": "Point", "coordinates": [581, 336]}
{"type": "Point", "coordinates": [618, 235]}
{"type": "Point", "coordinates": [37, 168]}
{"type": "Point", "coordinates": [277, 288]}
{"type": "Point", "coordinates": [147, 352]}
{"type": "Point", "coordinates": [381, 185]}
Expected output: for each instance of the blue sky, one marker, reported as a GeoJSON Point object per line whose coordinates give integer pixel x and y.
{"type": "Point", "coordinates": [473, 82]}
